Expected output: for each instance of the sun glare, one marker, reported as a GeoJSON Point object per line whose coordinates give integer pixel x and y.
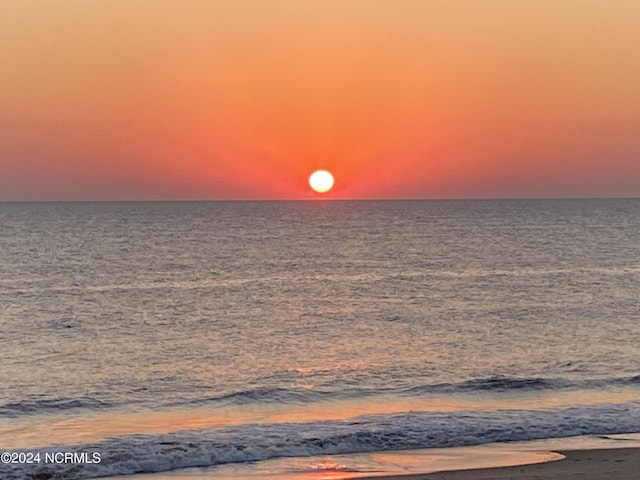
{"type": "Point", "coordinates": [321, 181]}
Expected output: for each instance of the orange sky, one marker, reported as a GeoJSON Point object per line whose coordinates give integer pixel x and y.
{"type": "Point", "coordinates": [186, 99]}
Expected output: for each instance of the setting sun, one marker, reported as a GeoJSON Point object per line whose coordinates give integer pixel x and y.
{"type": "Point", "coordinates": [321, 181]}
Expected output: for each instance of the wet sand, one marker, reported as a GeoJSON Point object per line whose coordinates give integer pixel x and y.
{"type": "Point", "coordinates": [618, 464]}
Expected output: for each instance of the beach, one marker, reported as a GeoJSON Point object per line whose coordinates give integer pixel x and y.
{"type": "Point", "coordinates": [618, 464]}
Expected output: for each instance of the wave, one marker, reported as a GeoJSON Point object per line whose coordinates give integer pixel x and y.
{"type": "Point", "coordinates": [508, 383]}
{"type": "Point", "coordinates": [632, 380]}
{"type": "Point", "coordinates": [50, 405]}
{"type": "Point", "coordinates": [264, 395]}
{"type": "Point", "coordinates": [369, 433]}
{"type": "Point", "coordinates": [297, 396]}
{"type": "Point", "coordinates": [505, 384]}
{"type": "Point", "coordinates": [488, 384]}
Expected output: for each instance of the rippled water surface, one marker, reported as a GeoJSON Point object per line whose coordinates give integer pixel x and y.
{"type": "Point", "coordinates": [197, 334]}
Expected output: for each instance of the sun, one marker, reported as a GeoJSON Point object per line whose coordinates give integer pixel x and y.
{"type": "Point", "coordinates": [321, 181]}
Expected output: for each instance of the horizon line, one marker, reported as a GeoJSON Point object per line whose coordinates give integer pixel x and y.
{"type": "Point", "coordinates": [320, 199]}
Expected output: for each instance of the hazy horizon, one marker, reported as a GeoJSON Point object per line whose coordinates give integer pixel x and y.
{"type": "Point", "coordinates": [259, 200]}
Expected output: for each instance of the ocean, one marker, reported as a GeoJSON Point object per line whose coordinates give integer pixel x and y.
{"type": "Point", "coordinates": [168, 335]}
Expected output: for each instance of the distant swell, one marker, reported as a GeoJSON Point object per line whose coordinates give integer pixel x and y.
{"type": "Point", "coordinates": [275, 395]}
{"type": "Point", "coordinates": [50, 405]}
{"type": "Point", "coordinates": [633, 380]}
{"type": "Point", "coordinates": [501, 383]}
{"type": "Point", "coordinates": [260, 395]}
{"type": "Point", "coordinates": [369, 433]}
{"type": "Point", "coordinates": [497, 384]}
{"type": "Point", "coordinates": [292, 396]}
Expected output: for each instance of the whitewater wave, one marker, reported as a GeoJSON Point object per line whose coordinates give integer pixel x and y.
{"type": "Point", "coordinates": [410, 430]}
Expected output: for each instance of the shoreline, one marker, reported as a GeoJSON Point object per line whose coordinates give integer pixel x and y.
{"type": "Point", "coordinates": [591, 464]}
{"type": "Point", "coordinates": [584, 457]}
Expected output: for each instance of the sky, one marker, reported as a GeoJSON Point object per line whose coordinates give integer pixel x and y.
{"type": "Point", "coordinates": [244, 99]}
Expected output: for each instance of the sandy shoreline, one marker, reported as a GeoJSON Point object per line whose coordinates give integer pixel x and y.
{"type": "Point", "coordinates": [617, 463]}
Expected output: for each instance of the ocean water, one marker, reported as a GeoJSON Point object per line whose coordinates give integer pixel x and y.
{"type": "Point", "coordinates": [171, 335]}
